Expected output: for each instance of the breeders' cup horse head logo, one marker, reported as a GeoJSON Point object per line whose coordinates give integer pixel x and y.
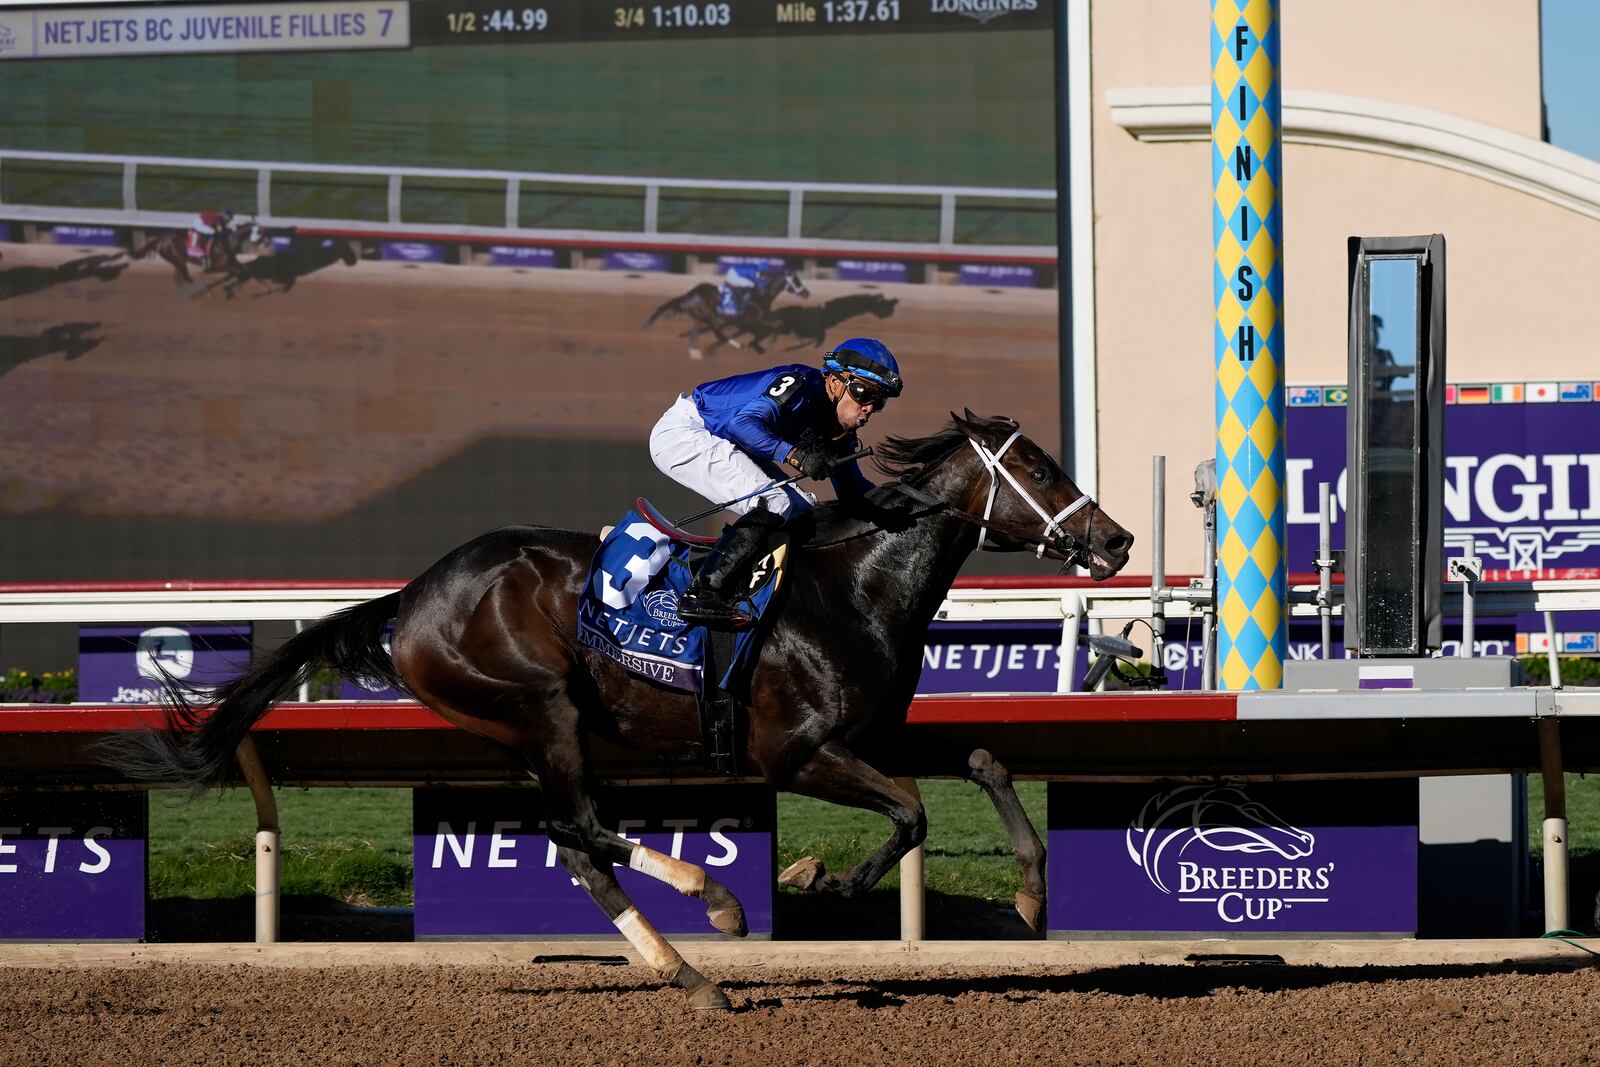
{"type": "Point", "coordinates": [662, 606]}
{"type": "Point", "coordinates": [1221, 818]}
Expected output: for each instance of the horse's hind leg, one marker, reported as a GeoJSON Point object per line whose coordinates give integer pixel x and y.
{"type": "Point", "coordinates": [995, 780]}
{"type": "Point", "coordinates": [601, 884]}
{"type": "Point", "coordinates": [837, 775]}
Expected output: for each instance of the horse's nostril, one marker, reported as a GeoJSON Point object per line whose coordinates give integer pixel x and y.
{"type": "Point", "coordinates": [1119, 543]}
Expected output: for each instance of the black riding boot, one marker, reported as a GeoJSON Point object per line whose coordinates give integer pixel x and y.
{"type": "Point", "coordinates": [707, 602]}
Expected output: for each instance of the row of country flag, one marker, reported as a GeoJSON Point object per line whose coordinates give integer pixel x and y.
{"type": "Point", "coordinates": [1338, 396]}
{"type": "Point", "coordinates": [1573, 643]}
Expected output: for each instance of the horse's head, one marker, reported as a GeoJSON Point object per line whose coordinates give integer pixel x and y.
{"type": "Point", "coordinates": [1023, 492]}
{"type": "Point", "coordinates": [778, 277]}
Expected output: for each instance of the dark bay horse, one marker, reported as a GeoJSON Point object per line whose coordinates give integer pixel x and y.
{"type": "Point", "coordinates": [700, 305]}
{"type": "Point", "coordinates": [487, 637]}
{"type": "Point", "coordinates": [222, 256]}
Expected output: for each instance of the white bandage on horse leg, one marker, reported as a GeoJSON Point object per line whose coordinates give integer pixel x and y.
{"type": "Point", "coordinates": [686, 878]}
{"type": "Point", "coordinates": [651, 946]}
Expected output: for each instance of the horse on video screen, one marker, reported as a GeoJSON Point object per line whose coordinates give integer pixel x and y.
{"type": "Point", "coordinates": [178, 249]}
{"type": "Point", "coordinates": [290, 256]}
{"type": "Point", "coordinates": [700, 304]}
{"type": "Point", "coordinates": [488, 638]}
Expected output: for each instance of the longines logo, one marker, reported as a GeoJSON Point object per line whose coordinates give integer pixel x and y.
{"type": "Point", "coordinates": [1177, 832]}
{"type": "Point", "coordinates": [982, 10]}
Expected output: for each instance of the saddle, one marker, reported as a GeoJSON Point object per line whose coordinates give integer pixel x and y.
{"type": "Point", "coordinates": [713, 664]}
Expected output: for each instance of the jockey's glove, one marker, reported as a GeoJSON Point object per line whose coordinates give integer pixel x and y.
{"type": "Point", "coordinates": [811, 457]}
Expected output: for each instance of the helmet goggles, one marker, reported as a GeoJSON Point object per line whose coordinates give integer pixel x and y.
{"type": "Point", "coordinates": [864, 393]}
{"type": "Point", "coordinates": [865, 370]}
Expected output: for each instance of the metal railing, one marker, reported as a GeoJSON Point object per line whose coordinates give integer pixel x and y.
{"type": "Point", "coordinates": [513, 184]}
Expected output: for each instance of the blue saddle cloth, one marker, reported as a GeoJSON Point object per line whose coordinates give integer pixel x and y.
{"type": "Point", "coordinates": [628, 610]}
{"type": "Point", "coordinates": [731, 301]}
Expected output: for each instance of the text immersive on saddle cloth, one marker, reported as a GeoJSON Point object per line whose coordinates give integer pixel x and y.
{"type": "Point", "coordinates": [629, 607]}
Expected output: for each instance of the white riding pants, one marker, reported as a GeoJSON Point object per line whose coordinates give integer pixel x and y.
{"type": "Point", "coordinates": [715, 467]}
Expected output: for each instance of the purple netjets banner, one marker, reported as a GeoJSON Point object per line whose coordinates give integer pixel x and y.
{"type": "Point", "coordinates": [993, 657]}
{"type": "Point", "coordinates": [118, 664]}
{"type": "Point", "coordinates": [1257, 859]}
{"type": "Point", "coordinates": [72, 866]}
{"type": "Point", "coordinates": [872, 270]}
{"type": "Point", "coordinates": [411, 251]}
{"type": "Point", "coordinates": [1522, 480]}
{"type": "Point", "coordinates": [485, 868]}
{"type": "Point", "coordinates": [652, 261]}
{"type": "Point", "coordinates": [1006, 274]}
{"type": "Point", "coordinates": [521, 256]}
{"type": "Point", "coordinates": [97, 236]}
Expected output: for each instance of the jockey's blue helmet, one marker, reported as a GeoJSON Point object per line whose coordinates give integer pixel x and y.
{"type": "Point", "coordinates": [866, 357]}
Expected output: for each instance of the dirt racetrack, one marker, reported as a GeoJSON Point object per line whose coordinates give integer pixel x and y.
{"type": "Point", "coordinates": [1538, 1007]}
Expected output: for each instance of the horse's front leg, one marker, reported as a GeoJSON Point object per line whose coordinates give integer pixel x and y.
{"type": "Point", "coordinates": [837, 775]}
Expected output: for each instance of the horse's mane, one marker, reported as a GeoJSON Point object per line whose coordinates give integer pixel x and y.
{"type": "Point", "coordinates": [907, 458]}
{"type": "Point", "coordinates": [901, 458]}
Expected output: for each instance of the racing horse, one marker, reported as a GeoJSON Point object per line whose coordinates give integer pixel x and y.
{"type": "Point", "coordinates": [756, 318]}
{"type": "Point", "coordinates": [178, 249]}
{"type": "Point", "coordinates": [487, 638]}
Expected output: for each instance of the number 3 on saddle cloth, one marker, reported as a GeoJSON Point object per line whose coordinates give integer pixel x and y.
{"type": "Point", "coordinates": [628, 613]}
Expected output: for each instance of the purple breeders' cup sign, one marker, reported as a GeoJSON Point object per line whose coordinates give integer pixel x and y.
{"type": "Point", "coordinates": [1257, 859]}
{"type": "Point", "coordinates": [655, 261]}
{"type": "Point", "coordinates": [1008, 274]}
{"type": "Point", "coordinates": [485, 869]}
{"type": "Point", "coordinates": [749, 263]}
{"type": "Point", "coordinates": [98, 236]}
{"type": "Point", "coordinates": [521, 256]}
{"type": "Point", "coordinates": [372, 688]}
{"type": "Point", "coordinates": [72, 866]}
{"type": "Point", "coordinates": [118, 664]}
{"type": "Point", "coordinates": [872, 270]}
{"type": "Point", "coordinates": [411, 251]}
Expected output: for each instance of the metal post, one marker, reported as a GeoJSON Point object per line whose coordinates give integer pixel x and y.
{"type": "Point", "coordinates": [1325, 567]}
{"type": "Point", "coordinates": [1158, 561]}
{"type": "Point", "coordinates": [1067, 651]}
{"type": "Point", "coordinates": [1555, 825]}
{"type": "Point", "coordinates": [130, 187]}
{"type": "Point", "coordinates": [652, 207]}
{"type": "Point", "coordinates": [1551, 655]}
{"type": "Point", "coordinates": [1208, 612]}
{"type": "Point", "coordinates": [263, 193]}
{"type": "Point", "coordinates": [1248, 342]}
{"type": "Point", "coordinates": [394, 198]}
{"type": "Point", "coordinates": [305, 686]}
{"type": "Point", "coordinates": [1468, 619]}
{"type": "Point", "coordinates": [913, 925]}
{"type": "Point", "coordinates": [513, 202]}
{"type": "Point", "coordinates": [267, 845]}
{"type": "Point", "coordinates": [947, 219]}
{"type": "Point", "coordinates": [796, 214]}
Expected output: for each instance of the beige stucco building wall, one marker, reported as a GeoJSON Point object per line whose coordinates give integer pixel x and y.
{"type": "Point", "coordinates": [1521, 270]}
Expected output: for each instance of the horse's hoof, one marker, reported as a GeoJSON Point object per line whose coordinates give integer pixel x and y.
{"type": "Point", "coordinates": [734, 343]}
{"type": "Point", "coordinates": [802, 873]}
{"type": "Point", "coordinates": [695, 353]}
{"type": "Point", "coordinates": [709, 998]}
{"type": "Point", "coordinates": [729, 919]}
{"type": "Point", "coordinates": [1031, 908]}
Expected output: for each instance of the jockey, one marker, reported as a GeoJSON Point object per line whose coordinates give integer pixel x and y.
{"type": "Point", "coordinates": [737, 288]}
{"type": "Point", "coordinates": [730, 436]}
{"type": "Point", "coordinates": [209, 225]}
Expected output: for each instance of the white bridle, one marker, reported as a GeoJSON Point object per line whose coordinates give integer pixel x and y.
{"type": "Point", "coordinates": [1052, 523]}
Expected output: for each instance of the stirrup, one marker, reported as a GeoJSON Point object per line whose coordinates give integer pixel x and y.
{"type": "Point", "coordinates": [718, 613]}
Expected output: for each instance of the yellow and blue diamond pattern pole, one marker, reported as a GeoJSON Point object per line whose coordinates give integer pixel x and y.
{"type": "Point", "coordinates": [1247, 221]}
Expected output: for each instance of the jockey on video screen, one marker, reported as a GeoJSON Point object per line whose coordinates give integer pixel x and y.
{"type": "Point", "coordinates": [208, 226]}
{"type": "Point", "coordinates": [729, 437]}
{"type": "Point", "coordinates": [738, 286]}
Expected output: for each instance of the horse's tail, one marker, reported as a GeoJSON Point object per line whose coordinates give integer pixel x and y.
{"type": "Point", "coordinates": [671, 307]}
{"type": "Point", "coordinates": [195, 747]}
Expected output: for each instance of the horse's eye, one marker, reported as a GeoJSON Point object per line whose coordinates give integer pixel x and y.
{"type": "Point", "coordinates": [1040, 475]}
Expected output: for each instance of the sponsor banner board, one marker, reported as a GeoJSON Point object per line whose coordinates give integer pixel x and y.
{"type": "Point", "coordinates": [45, 32]}
{"type": "Point", "coordinates": [521, 256]}
{"type": "Point", "coordinates": [125, 664]}
{"type": "Point", "coordinates": [5, 231]}
{"type": "Point", "coordinates": [872, 270]}
{"type": "Point", "coordinates": [993, 657]}
{"type": "Point", "coordinates": [372, 688]}
{"type": "Point", "coordinates": [1007, 274]}
{"type": "Point", "coordinates": [1522, 483]}
{"type": "Point", "coordinates": [485, 868]}
{"type": "Point", "coordinates": [411, 251]}
{"type": "Point", "coordinates": [72, 866]}
{"type": "Point", "coordinates": [1255, 859]}
{"type": "Point", "coordinates": [749, 263]}
{"type": "Point", "coordinates": [97, 236]}
{"type": "Point", "coordinates": [652, 261]}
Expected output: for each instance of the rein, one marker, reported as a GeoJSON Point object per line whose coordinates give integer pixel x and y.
{"type": "Point", "coordinates": [1075, 552]}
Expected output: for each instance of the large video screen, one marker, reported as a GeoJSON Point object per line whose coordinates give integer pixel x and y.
{"type": "Point", "coordinates": [476, 250]}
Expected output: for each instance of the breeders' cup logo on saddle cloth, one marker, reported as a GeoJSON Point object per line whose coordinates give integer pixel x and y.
{"type": "Point", "coordinates": [1177, 832]}
{"type": "Point", "coordinates": [662, 606]}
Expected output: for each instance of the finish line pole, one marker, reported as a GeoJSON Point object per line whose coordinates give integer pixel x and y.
{"type": "Point", "coordinates": [1247, 222]}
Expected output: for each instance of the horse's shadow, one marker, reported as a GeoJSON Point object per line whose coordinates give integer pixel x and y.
{"type": "Point", "coordinates": [21, 281]}
{"type": "Point", "coordinates": [69, 338]}
{"type": "Point", "coordinates": [810, 325]}
{"type": "Point", "coordinates": [279, 271]}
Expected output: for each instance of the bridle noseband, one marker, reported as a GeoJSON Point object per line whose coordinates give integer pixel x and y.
{"type": "Point", "coordinates": [1074, 552]}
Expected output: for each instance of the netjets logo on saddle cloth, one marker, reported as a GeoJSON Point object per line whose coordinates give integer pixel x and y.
{"type": "Point", "coordinates": [982, 10]}
{"type": "Point", "coordinates": [1189, 839]}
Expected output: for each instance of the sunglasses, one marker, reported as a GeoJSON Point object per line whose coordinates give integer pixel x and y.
{"type": "Point", "coordinates": [865, 393]}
